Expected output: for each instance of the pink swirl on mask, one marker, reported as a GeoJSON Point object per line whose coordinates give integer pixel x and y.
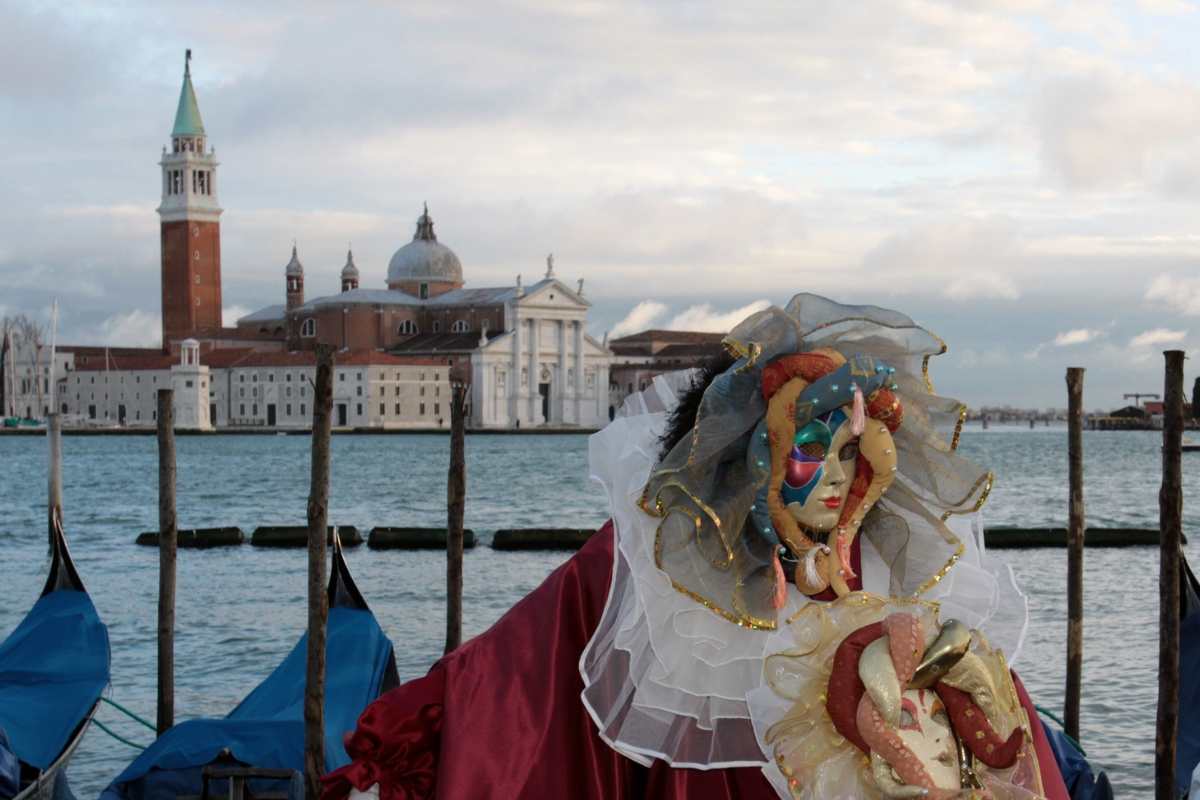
{"type": "Point", "coordinates": [884, 740]}
{"type": "Point", "coordinates": [906, 643]}
{"type": "Point", "coordinates": [843, 551]}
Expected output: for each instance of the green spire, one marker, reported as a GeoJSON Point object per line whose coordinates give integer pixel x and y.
{"type": "Point", "coordinates": [187, 116]}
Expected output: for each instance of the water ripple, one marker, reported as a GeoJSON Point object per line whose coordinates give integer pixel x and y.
{"type": "Point", "coordinates": [241, 610]}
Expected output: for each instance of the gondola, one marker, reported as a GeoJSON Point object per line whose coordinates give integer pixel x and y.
{"type": "Point", "coordinates": [261, 742]}
{"type": "Point", "coordinates": [53, 669]}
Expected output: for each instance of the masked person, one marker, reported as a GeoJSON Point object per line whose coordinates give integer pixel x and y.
{"type": "Point", "coordinates": [790, 599]}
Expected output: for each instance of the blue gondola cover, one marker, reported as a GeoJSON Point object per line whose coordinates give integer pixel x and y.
{"type": "Point", "coordinates": [1081, 782]}
{"type": "Point", "coordinates": [53, 669]}
{"type": "Point", "coordinates": [10, 769]}
{"type": "Point", "coordinates": [267, 728]}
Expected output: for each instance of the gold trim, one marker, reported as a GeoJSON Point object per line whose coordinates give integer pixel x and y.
{"type": "Point", "coordinates": [751, 351]}
{"type": "Point", "coordinates": [936, 578]}
{"type": "Point", "coordinates": [744, 622]}
{"type": "Point", "coordinates": [925, 362]}
{"type": "Point", "coordinates": [741, 620]}
{"type": "Point", "coordinates": [986, 480]}
{"type": "Point", "coordinates": [958, 427]}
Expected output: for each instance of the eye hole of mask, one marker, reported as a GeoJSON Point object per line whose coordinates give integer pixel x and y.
{"type": "Point", "coordinates": [849, 451]}
{"type": "Point", "coordinates": [812, 449]}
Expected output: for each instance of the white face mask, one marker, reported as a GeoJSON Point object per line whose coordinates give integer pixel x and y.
{"type": "Point", "coordinates": [822, 508]}
{"type": "Point", "coordinates": [925, 730]}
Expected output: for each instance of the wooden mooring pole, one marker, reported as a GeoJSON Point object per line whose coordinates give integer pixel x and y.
{"type": "Point", "coordinates": [1075, 534]}
{"type": "Point", "coordinates": [54, 481]}
{"type": "Point", "coordinates": [318, 603]}
{"type": "Point", "coordinates": [456, 491]}
{"type": "Point", "coordinates": [168, 542]}
{"type": "Point", "coordinates": [1170, 528]}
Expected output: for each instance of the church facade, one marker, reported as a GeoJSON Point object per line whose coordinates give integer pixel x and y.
{"type": "Point", "coordinates": [524, 350]}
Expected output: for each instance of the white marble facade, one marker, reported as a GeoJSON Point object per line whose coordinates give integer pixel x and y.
{"type": "Point", "coordinates": [544, 370]}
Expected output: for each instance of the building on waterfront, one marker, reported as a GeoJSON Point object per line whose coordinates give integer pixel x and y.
{"type": "Point", "coordinates": [524, 349]}
{"type": "Point", "coordinates": [244, 388]}
{"type": "Point", "coordinates": [639, 357]}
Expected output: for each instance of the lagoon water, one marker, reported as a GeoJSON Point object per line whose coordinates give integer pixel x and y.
{"type": "Point", "coordinates": [240, 610]}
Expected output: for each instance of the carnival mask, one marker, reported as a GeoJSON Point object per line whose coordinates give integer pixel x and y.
{"type": "Point", "coordinates": [829, 450]}
{"type": "Point", "coordinates": [820, 470]}
{"type": "Point", "coordinates": [925, 732]}
{"type": "Point", "coordinates": [914, 708]}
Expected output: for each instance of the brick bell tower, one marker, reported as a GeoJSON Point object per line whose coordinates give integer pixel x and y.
{"type": "Point", "coordinates": [190, 224]}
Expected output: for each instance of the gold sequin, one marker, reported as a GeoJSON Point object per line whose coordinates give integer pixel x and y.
{"type": "Point", "coordinates": [958, 427]}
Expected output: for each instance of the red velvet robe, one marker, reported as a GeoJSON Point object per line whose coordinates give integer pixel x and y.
{"type": "Point", "coordinates": [501, 717]}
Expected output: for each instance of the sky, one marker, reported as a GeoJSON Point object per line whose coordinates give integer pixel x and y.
{"type": "Point", "coordinates": [1021, 177]}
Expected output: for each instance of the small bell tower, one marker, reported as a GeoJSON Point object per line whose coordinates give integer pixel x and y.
{"type": "Point", "coordinates": [190, 225]}
{"type": "Point", "coordinates": [293, 274]}
{"type": "Point", "coordinates": [349, 273]}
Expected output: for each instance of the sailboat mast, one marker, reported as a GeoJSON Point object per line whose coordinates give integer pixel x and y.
{"type": "Point", "coordinates": [53, 349]}
{"type": "Point", "coordinates": [11, 401]}
{"type": "Point", "coordinates": [54, 436]}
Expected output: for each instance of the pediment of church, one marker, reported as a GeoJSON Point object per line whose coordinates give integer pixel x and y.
{"type": "Point", "coordinates": [552, 293]}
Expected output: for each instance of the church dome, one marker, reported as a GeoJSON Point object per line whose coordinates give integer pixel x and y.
{"type": "Point", "coordinates": [424, 258]}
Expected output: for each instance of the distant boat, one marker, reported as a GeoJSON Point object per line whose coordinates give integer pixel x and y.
{"type": "Point", "coordinates": [263, 738]}
{"type": "Point", "coordinates": [53, 669]}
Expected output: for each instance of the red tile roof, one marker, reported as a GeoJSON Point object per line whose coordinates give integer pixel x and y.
{"type": "Point", "coordinates": [671, 337]}
{"type": "Point", "coordinates": [245, 357]}
{"type": "Point", "coordinates": [244, 334]}
{"type": "Point", "coordinates": [100, 362]}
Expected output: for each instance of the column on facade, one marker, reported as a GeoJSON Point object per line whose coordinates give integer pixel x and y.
{"type": "Point", "coordinates": [483, 377]}
{"type": "Point", "coordinates": [535, 375]}
{"type": "Point", "coordinates": [514, 380]}
{"type": "Point", "coordinates": [560, 384]}
{"type": "Point", "coordinates": [579, 369]}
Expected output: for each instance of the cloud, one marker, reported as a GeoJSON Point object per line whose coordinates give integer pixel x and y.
{"type": "Point", "coordinates": [959, 258]}
{"type": "Point", "coordinates": [1171, 7]}
{"type": "Point", "coordinates": [231, 314]}
{"type": "Point", "coordinates": [135, 328]}
{"type": "Point", "coordinates": [983, 285]}
{"type": "Point", "coordinates": [685, 154]}
{"type": "Point", "coordinates": [1179, 294]}
{"type": "Point", "coordinates": [1157, 336]}
{"type": "Point", "coordinates": [1077, 336]}
{"type": "Point", "coordinates": [1102, 126]}
{"type": "Point", "coordinates": [699, 317]}
{"type": "Point", "coordinates": [704, 318]}
{"type": "Point", "coordinates": [641, 317]}
{"type": "Point", "coordinates": [971, 358]}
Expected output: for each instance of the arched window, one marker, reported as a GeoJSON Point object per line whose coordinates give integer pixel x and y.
{"type": "Point", "coordinates": [437, 326]}
{"type": "Point", "coordinates": [407, 328]}
{"type": "Point", "coordinates": [460, 326]}
{"type": "Point", "coordinates": [308, 328]}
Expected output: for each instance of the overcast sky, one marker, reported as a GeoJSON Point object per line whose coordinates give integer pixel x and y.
{"type": "Point", "coordinates": [1021, 177]}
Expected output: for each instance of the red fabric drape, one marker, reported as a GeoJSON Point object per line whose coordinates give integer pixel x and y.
{"type": "Point", "coordinates": [501, 717]}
